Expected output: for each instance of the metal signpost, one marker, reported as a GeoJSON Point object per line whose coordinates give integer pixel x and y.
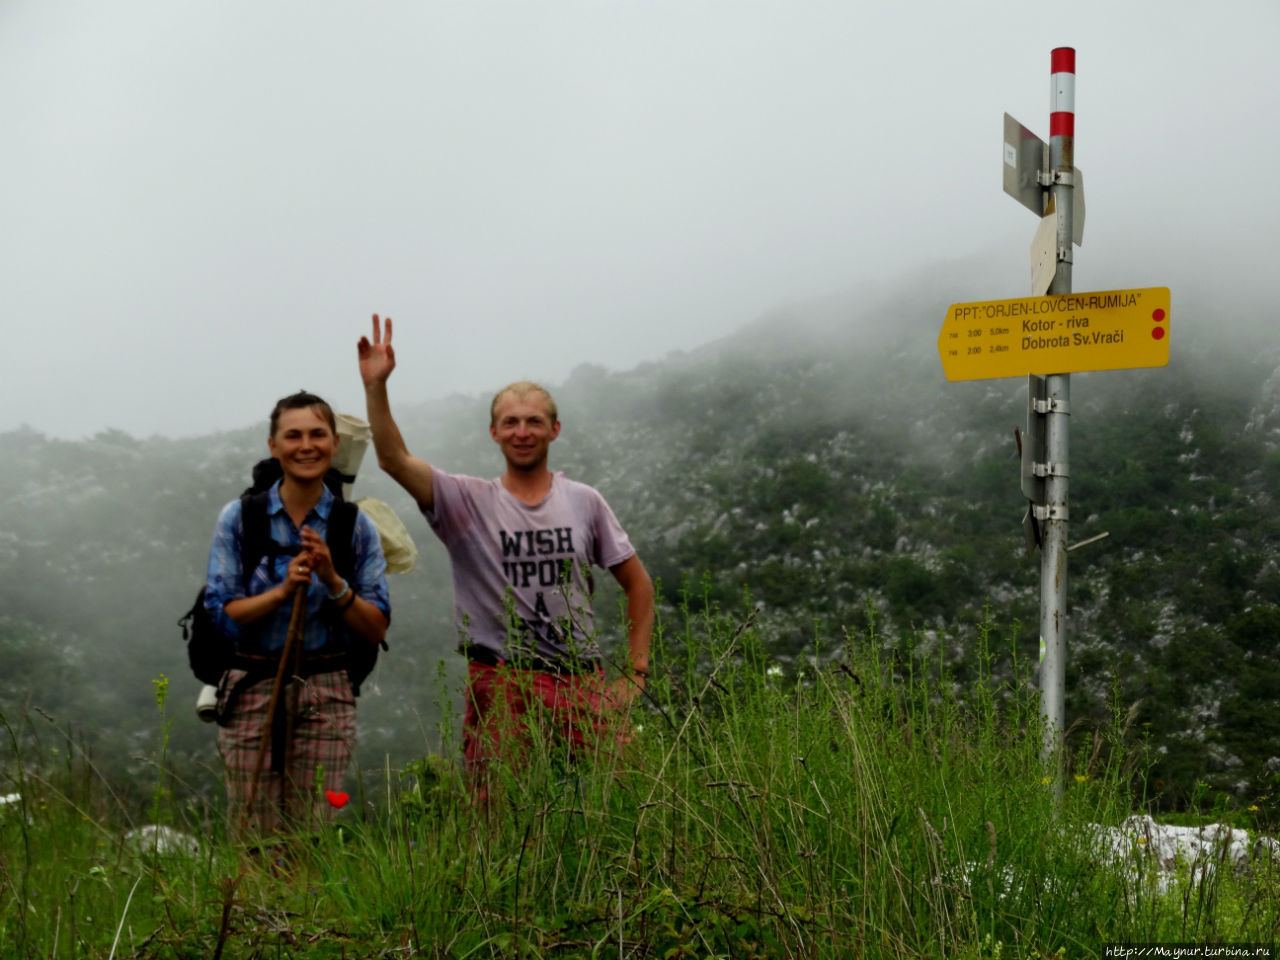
{"type": "Point", "coordinates": [1053, 532]}
{"type": "Point", "coordinates": [1046, 337]}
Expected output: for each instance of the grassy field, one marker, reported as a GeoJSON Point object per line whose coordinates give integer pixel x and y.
{"type": "Point", "coordinates": [855, 803]}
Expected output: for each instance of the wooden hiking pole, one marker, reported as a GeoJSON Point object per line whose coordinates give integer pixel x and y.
{"type": "Point", "coordinates": [290, 713]}
{"type": "Point", "coordinates": [292, 640]}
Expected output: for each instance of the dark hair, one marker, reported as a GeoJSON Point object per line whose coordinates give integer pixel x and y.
{"type": "Point", "coordinates": [303, 401]}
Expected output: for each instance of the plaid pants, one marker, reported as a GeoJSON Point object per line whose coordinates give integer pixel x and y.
{"type": "Point", "coordinates": [321, 713]}
{"type": "Point", "coordinates": [506, 708]}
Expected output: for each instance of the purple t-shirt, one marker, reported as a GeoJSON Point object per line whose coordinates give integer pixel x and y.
{"type": "Point", "coordinates": [522, 574]}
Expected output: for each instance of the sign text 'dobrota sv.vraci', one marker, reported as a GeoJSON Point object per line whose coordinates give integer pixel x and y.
{"type": "Point", "coordinates": [1066, 333]}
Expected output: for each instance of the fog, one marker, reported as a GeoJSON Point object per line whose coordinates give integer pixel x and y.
{"type": "Point", "coordinates": [204, 202]}
{"type": "Point", "coordinates": [814, 464]}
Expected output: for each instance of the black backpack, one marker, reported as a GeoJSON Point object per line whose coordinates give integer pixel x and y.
{"type": "Point", "coordinates": [211, 652]}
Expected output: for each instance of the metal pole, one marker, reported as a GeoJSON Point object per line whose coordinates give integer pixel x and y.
{"type": "Point", "coordinates": [1053, 559]}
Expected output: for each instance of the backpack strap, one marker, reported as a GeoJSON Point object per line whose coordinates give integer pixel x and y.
{"type": "Point", "coordinates": [255, 532]}
{"type": "Point", "coordinates": [255, 543]}
{"type": "Point", "coordinates": [340, 534]}
{"type": "Point", "coordinates": [360, 656]}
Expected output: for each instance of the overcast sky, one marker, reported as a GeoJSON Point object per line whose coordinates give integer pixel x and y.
{"type": "Point", "coordinates": [201, 202]}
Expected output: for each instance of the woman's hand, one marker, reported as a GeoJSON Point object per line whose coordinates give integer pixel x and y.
{"type": "Point", "coordinates": [247, 610]}
{"type": "Point", "coordinates": [315, 556]}
{"type": "Point", "coordinates": [297, 575]}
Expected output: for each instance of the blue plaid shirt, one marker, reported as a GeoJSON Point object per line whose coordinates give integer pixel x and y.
{"type": "Point", "coordinates": [225, 580]}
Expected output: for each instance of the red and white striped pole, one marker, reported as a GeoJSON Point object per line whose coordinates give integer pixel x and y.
{"type": "Point", "coordinates": [1062, 105]}
{"type": "Point", "coordinates": [1053, 555]}
{"type": "Point", "coordinates": [1062, 137]}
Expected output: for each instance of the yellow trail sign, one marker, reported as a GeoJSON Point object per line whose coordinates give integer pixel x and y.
{"type": "Point", "coordinates": [1065, 333]}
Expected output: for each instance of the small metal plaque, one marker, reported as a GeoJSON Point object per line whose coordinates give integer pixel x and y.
{"type": "Point", "coordinates": [1044, 255]}
{"type": "Point", "coordinates": [1025, 157]}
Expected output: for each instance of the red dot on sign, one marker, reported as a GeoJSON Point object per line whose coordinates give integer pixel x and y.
{"type": "Point", "coordinates": [1158, 316]}
{"type": "Point", "coordinates": [1157, 333]}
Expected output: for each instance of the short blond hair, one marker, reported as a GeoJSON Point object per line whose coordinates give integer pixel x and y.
{"type": "Point", "coordinates": [522, 388]}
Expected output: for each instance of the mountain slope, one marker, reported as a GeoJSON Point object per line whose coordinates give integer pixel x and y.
{"type": "Point", "coordinates": [815, 463]}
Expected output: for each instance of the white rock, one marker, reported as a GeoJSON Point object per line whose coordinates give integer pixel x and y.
{"type": "Point", "coordinates": [162, 839]}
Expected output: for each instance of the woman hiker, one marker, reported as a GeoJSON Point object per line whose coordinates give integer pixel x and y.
{"type": "Point", "coordinates": [282, 719]}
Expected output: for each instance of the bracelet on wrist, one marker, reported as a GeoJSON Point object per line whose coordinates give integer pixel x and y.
{"type": "Point", "coordinates": [341, 593]}
{"type": "Point", "coordinates": [347, 606]}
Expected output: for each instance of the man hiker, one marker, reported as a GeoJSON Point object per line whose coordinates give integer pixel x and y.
{"type": "Point", "coordinates": [521, 547]}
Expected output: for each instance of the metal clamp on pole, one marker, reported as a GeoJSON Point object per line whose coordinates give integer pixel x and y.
{"type": "Point", "coordinates": [1052, 405]}
{"type": "Point", "coordinates": [1051, 469]}
{"type": "Point", "coordinates": [1050, 511]}
{"type": "Point", "coordinates": [1049, 178]}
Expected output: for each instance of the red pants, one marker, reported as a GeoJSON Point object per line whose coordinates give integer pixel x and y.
{"type": "Point", "coordinates": [502, 705]}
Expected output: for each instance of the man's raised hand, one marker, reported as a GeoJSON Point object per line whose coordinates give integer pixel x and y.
{"type": "Point", "coordinates": [377, 359]}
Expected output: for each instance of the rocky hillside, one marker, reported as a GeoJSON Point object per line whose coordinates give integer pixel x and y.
{"type": "Point", "coordinates": [815, 466]}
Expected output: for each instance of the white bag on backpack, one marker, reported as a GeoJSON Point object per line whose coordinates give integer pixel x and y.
{"type": "Point", "coordinates": [397, 546]}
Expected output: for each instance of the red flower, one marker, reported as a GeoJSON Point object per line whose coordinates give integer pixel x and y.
{"type": "Point", "coordinates": [336, 799]}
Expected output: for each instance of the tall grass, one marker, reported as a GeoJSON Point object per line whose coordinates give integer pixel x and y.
{"type": "Point", "coordinates": [856, 802]}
